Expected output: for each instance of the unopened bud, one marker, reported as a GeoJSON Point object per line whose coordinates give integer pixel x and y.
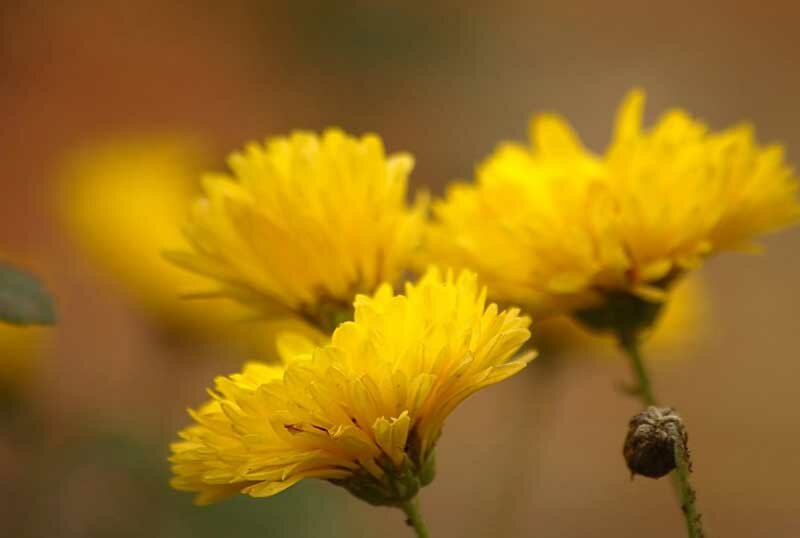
{"type": "Point", "coordinates": [650, 444]}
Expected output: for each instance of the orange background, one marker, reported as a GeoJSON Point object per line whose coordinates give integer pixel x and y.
{"type": "Point", "coordinates": [537, 456]}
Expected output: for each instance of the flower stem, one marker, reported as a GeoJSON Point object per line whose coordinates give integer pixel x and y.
{"type": "Point", "coordinates": [686, 495]}
{"type": "Point", "coordinates": [414, 517]}
{"type": "Point", "coordinates": [630, 345]}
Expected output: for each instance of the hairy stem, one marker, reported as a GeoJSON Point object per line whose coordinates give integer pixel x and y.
{"type": "Point", "coordinates": [414, 517]}
{"type": "Point", "coordinates": [686, 494]}
{"type": "Point", "coordinates": [680, 478]}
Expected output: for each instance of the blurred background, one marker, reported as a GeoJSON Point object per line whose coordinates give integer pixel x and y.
{"type": "Point", "coordinates": [174, 86]}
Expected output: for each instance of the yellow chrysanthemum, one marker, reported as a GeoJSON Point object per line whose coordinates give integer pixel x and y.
{"type": "Point", "coordinates": [683, 192]}
{"type": "Point", "coordinates": [364, 411]}
{"type": "Point", "coordinates": [557, 228]}
{"type": "Point", "coordinates": [305, 223]}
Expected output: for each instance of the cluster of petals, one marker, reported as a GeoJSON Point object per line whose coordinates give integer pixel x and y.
{"type": "Point", "coordinates": [373, 401]}
{"type": "Point", "coordinates": [304, 223]}
{"type": "Point", "coordinates": [554, 226]}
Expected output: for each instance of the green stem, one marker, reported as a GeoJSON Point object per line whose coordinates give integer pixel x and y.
{"type": "Point", "coordinates": [631, 347]}
{"type": "Point", "coordinates": [680, 478]}
{"type": "Point", "coordinates": [414, 517]}
{"type": "Point", "coordinates": [686, 494]}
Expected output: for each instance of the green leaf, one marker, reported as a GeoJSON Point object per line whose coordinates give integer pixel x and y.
{"type": "Point", "coordinates": [23, 300]}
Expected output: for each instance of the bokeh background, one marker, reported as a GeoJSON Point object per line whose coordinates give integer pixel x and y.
{"type": "Point", "coordinates": [83, 445]}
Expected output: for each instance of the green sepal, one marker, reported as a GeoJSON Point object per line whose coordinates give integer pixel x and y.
{"type": "Point", "coordinates": [328, 315]}
{"type": "Point", "coordinates": [428, 471]}
{"type": "Point", "coordinates": [622, 313]}
{"type": "Point", "coordinates": [397, 486]}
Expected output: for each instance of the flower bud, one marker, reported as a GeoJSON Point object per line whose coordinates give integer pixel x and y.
{"type": "Point", "coordinates": [650, 444]}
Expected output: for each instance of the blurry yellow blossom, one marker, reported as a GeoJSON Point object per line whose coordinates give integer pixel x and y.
{"type": "Point", "coordinates": [557, 228]}
{"type": "Point", "coordinates": [28, 311]}
{"type": "Point", "coordinates": [304, 223]}
{"type": "Point", "coordinates": [365, 411]}
{"type": "Point", "coordinates": [124, 201]}
{"type": "Point", "coordinates": [21, 348]}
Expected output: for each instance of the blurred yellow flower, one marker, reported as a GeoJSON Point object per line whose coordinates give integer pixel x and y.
{"type": "Point", "coordinates": [123, 202]}
{"type": "Point", "coordinates": [365, 411]}
{"type": "Point", "coordinates": [21, 348]}
{"type": "Point", "coordinates": [304, 224]}
{"type": "Point", "coordinates": [557, 228]}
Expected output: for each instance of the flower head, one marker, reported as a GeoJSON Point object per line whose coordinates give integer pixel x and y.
{"type": "Point", "coordinates": [305, 223]}
{"type": "Point", "coordinates": [364, 411]}
{"type": "Point", "coordinates": [558, 228]}
{"type": "Point", "coordinates": [683, 191]}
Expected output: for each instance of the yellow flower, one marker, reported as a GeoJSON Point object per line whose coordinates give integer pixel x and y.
{"type": "Point", "coordinates": [305, 223]}
{"type": "Point", "coordinates": [365, 411]}
{"type": "Point", "coordinates": [21, 348]}
{"type": "Point", "coordinates": [684, 192]}
{"type": "Point", "coordinates": [25, 341]}
{"type": "Point", "coordinates": [558, 228]}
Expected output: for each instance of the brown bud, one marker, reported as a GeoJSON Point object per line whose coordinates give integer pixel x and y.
{"type": "Point", "coordinates": [650, 444]}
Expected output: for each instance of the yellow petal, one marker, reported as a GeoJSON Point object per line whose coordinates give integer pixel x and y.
{"type": "Point", "coordinates": [554, 137]}
{"type": "Point", "coordinates": [629, 117]}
